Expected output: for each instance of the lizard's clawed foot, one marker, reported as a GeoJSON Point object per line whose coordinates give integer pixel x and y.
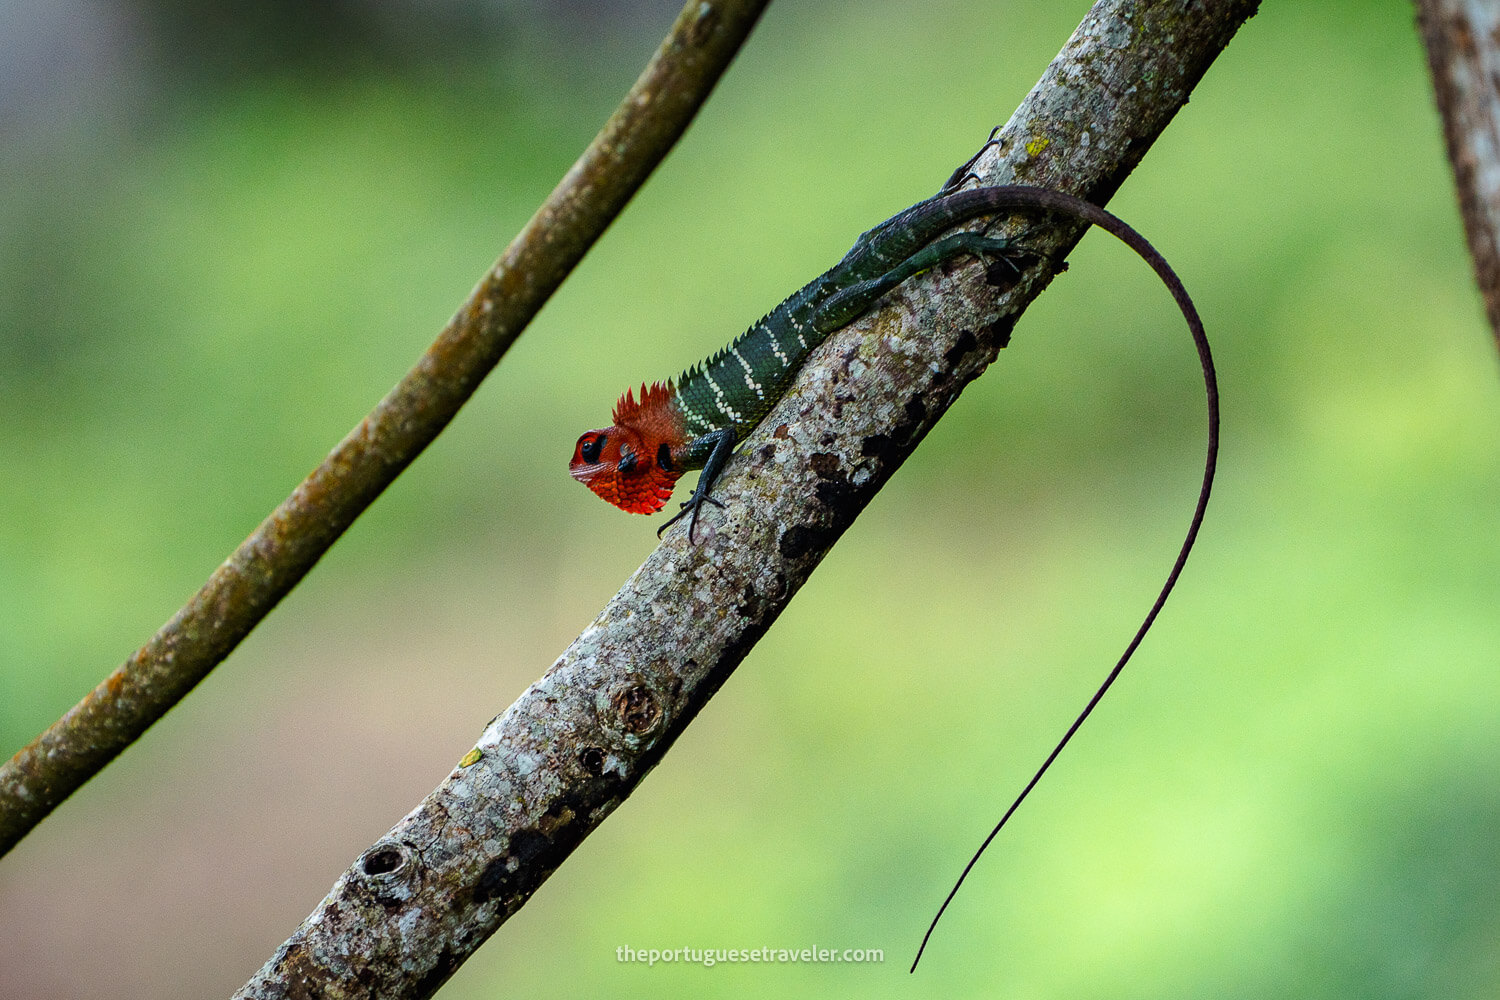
{"type": "Point", "coordinates": [690, 506]}
{"type": "Point", "coordinates": [966, 173]}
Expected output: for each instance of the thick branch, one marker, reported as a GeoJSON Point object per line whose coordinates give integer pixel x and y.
{"type": "Point", "coordinates": [1463, 52]}
{"type": "Point", "coordinates": [269, 563]}
{"type": "Point", "coordinates": [575, 744]}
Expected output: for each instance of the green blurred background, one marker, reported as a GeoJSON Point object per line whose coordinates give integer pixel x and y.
{"type": "Point", "coordinates": [224, 236]}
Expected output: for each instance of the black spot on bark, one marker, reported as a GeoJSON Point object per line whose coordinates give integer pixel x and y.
{"type": "Point", "coordinates": [875, 446]}
{"type": "Point", "coordinates": [366, 981]}
{"type": "Point", "coordinates": [1003, 273]}
{"type": "Point", "coordinates": [904, 434]}
{"type": "Point", "coordinates": [798, 540]}
{"type": "Point", "coordinates": [825, 465]}
{"type": "Point", "coordinates": [762, 607]}
{"type": "Point", "coordinates": [751, 605]}
{"type": "Point", "coordinates": [447, 964]}
{"type": "Point", "coordinates": [916, 410]}
{"type": "Point", "coordinates": [841, 498]}
{"type": "Point", "coordinates": [999, 332]}
{"type": "Point", "coordinates": [533, 855]}
{"type": "Point", "coordinates": [962, 348]}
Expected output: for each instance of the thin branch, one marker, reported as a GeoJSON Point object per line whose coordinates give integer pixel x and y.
{"type": "Point", "coordinates": [415, 905]}
{"type": "Point", "coordinates": [1463, 52]}
{"type": "Point", "coordinates": [268, 564]}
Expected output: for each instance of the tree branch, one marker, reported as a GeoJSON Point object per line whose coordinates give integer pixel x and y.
{"type": "Point", "coordinates": [1463, 52]}
{"type": "Point", "coordinates": [268, 564]}
{"type": "Point", "coordinates": [414, 906]}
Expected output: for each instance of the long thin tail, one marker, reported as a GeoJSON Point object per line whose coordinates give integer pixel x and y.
{"type": "Point", "coordinates": [1000, 198]}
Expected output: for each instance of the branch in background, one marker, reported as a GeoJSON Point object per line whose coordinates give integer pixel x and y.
{"type": "Point", "coordinates": [269, 563]}
{"type": "Point", "coordinates": [1461, 40]}
{"type": "Point", "coordinates": [418, 902]}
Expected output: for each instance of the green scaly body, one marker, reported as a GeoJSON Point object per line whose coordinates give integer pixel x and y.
{"type": "Point", "coordinates": [735, 388]}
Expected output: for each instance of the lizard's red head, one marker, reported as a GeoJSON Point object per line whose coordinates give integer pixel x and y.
{"type": "Point", "coordinates": [629, 464]}
{"type": "Point", "coordinates": [616, 464]}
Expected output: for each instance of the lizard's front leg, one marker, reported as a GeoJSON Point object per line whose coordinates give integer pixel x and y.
{"type": "Point", "coordinates": [722, 441]}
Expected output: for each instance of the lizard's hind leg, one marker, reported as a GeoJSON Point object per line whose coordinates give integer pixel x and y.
{"type": "Point", "coordinates": [848, 304]}
{"type": "Point", "coordinates": [966, 172]}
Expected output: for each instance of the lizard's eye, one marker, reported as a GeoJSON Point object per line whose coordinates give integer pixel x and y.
{"type": "Point", "coordinates": [589, 450]}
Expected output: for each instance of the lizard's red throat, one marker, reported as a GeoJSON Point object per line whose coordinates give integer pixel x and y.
{"type": "Point", "coordinates": [616, 464]}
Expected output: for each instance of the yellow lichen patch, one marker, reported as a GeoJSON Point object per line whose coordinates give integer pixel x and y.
{"type": "Point", "coordinates": [1037, 144]}
{"type": "Point", "coordinates": [472, 757]}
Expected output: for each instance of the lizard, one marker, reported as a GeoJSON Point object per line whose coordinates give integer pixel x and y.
{"type": "Point", "coordinates": [695, 421]}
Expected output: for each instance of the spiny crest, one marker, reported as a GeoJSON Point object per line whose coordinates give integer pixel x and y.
{"type": "Point", "coordinates": [718, 356]}
{"type": "Point", "coordinates": [628, 412]}
{"type": "Point", "coordinates": [702, 366]}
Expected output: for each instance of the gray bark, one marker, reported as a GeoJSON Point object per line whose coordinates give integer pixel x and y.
{"type": "Point", "coordinates": [574, 745]}
{"type": "Point", "coordinates": [1463, 52]}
